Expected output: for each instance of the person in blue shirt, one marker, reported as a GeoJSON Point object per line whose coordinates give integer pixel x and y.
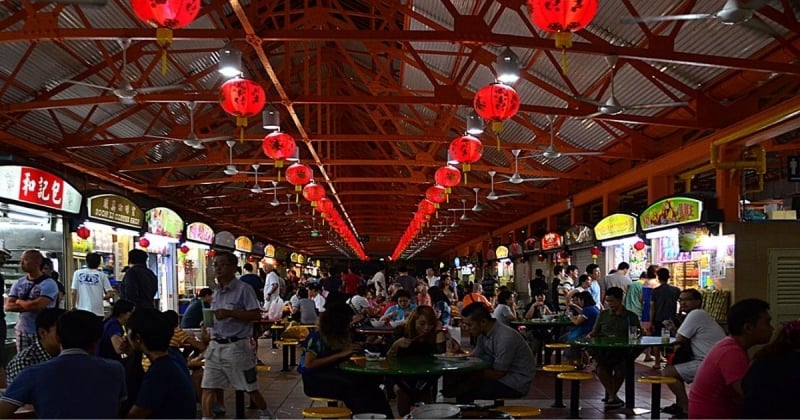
{"type": "Point", "coordinates": [398, 313]}
{"type": "Point", "coordinates": [194, 313]}
{"type": "Point", "coordinates": [167, 391]}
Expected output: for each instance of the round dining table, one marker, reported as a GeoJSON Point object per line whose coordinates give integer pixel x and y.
{"type": "Point", "coordinates": [632, 349]}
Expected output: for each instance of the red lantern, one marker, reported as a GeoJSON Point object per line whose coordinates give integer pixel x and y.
{"type": "Point", "coordinates": [448, 177]}
{"type": "Point", "coordinates": [467, 150]}
{"type": "Point", "coordinates": [83, 232]}
{"type": "Point", "coordinates": [184, 249]}
{"type": "Point", "coordinates": [562, 18]}
{"type": "Point", "coordinates": [325, 206]}
{"type": "Point", "coordinates": [298, 175]}
{"type": "Point", "coordinates": [595, 251]}
{"type": "Point", "coordinates": [541, 257]}
{"type": "Point", "coordinates": [313, 193]}
{"type": "Point", "coordinates": [166, 15]}
{"type": "Point", "coordinates": [639, 245]}
{"type": "Point", "coordinates": [426, 207]}
{"type": "Point", "coordinates": [279, 146]}
{"type": "Point", "coordinates": [436, 194]}
{"type": "Point", "coordinates": [242, 98]}
{"type": "Point", "coordinates": [144, 242]}
{"type": "Point", "coordinates": [211, 253]}
{"type": "Point", "coordinates": [496, 102]}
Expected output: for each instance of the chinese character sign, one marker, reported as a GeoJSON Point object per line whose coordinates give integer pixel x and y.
{"type": "Point", "coordinates": [34, 186]}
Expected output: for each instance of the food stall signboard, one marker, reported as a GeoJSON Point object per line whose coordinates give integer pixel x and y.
{"type": "Point", "coordinates": [163, 222]}
{"type": "Point", "coordinates": [301, 259]}
{"type": "Point", "coordinates": [501, 252]}
{"type": "Point", "coordinates": [533, 244]}
{"type": "Point", "coordinates": [552, 241]}
{"type": "Point", "coordinates": [225, 239]}
{"type": "Point", "coordinates": [34, 186]}
{"type": "Point", "coordinates": [244, 244]}
{"type": "Point", "coordinates": [615, 226]}
{"type": "Point", "coordinates": [579, 234]}
{"type": "Point", "coordinates": [293, 257]}
{"type": "Point", "coordinates": [671, 211]}
{"type": "Point", "coordinates": [200, 232]}
{"type": "Point", "coordinates": [269, 251]}
{"type": "Point", "coordinates": [115, 209]}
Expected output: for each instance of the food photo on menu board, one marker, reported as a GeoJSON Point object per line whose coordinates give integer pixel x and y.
{"type": "Point", "coordinates": [164, 222]}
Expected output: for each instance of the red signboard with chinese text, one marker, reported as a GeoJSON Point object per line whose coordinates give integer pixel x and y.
{"type": "Point", "coordinates": [552, 240]}
{"type": "Point", "coordinates": [35, 186]}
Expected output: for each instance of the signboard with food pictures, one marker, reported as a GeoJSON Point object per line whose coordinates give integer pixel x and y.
{"type": "Point", "coordinates": [115, 209]}
{"type": "Point", "coordinates": [269, 251]}
{"type": "Point", "coordinates": [200, 232]}
{"type": "Point", "coordinates": [35, 186]}
{"type": "Point", "coordinates": [579, 235]}
{"type": "Point", "coordinates": [162, 221]}
{"type": "Point", "coordinates": [225, 239]}
{"type": "Point", "coordinates": [671, 211]}
{"type": "Point", "coordinates": [244, 244]}
{"type": "Point", "coordinates": [552, 240]}
{"type": "Point", "coordinates": [501, 252]}
{"type": "Point", "coordinates": [616, 225]}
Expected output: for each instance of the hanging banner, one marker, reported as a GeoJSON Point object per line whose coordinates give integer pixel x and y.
{"type": "Point", "coordinates": [552, 240]}
{"type": "Point", "coordinates": [200, 232]}
{"type": "Point", "coordinates": [501, 252]}
{"type": "Point", "coordinates": [225, 239]}
{"type": "Point", "coordinates": [269, 251]}
{"type": "Point", "coordinates": [34, 186]}
{"type": "Point", "coordinates": [616, 225]}
{"type": "Point", "coordinates": [671, 211]}
{"type": "Point", "coordinates": [115, 209]}
{"type": "Point", "coordinates": [244, 244]}
{"type": "Point", "coordinates": [163, 222]}
{"type": "Point", "coordinates": [579, 236]}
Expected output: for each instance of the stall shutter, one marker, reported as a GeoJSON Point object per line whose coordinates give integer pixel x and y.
{"type": "Point", "coordinates": [784, 283]}
{"type": "Point", "coordinates": [583, 257]}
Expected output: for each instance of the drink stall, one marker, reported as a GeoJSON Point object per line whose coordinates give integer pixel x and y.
{"type": "Point", "coordinates": [164, 231]}
{"type": "Point", "coordinates": [621, 241]}
{"type": "Point", "coordinates": [193, 265]}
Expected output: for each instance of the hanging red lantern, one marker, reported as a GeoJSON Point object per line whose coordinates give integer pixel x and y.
{"type": "Point", "coordinates": [166, 15]}
{"type": "Point", "coordinates": [313, 192]}
{"type": "Point", "coordinates": [541, 257]}
{"type": "Point", "coordinates": [562, 18]}
{"type": "Point", "coordinates": [426, 207]}
{"type": "Point", "coordinates": [436, 194]}
{"type": "Point", "coordinates": [467, 150]}
{"type": "Point", "coordinates": [279, 146]}
{"type": "Point", "coordinates": [298, 175]}
{"type": "Point", "coordinates": [496, 103]}
{"type": "Point", "coordinates": [595, 251]}
{"type": "Point", "coordinates": [448, 177]}
{"type": "Point", "coordinates": [325, 206]}
{"type": "Point", "coordinates": [639, 245]}
{"type": "Point", "coordinates": [211, 253]}
{"type": "Point", "coordinates": [184, 249]}
{"type": "Point", "coordinates": [83, 232]}
{"type": "Point", "coordinates": [144, 242]}
{"type": "Point", "coordinates": [242, 99]}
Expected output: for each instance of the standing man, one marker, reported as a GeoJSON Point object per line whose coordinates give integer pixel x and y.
{"type": "Point", "coordinates": [619, 279]}
{"type": "Point", "coordinates": [229, 358]}
{"type": "Point", "coordinates": [408, 282]}
{"type": "Point", "coordinates": [30, 295]}
{"type": "Point", "coordinates": [717, 389]}
{"type": "Point", "coordinates": [251, 278]}
{"type": "Point", "coordinates": [555, 298]}
{"type": "Point", "coordinates": [700, 332]}
{"type": "Point", "coordinates": [431, 277]}
{"type": "Point", "coordinates": [379, 280]}
{"type": "Point", "coordinates": [595, 288]}
{"type": "Point", "coordinates": [90, 286]}
{"type": "Point", "coordinates": [634, 300]}
{"type": "Point", "coordinates": [663, 306]}
{"type": "Point", "coordinates": [351, 281]}
{"type": "Point", "coordinates": [140, 285]}
{"type": "Point", "coordinates": [272, 285]}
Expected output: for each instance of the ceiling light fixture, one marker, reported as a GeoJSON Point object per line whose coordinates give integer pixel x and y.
{"type": "Point", "coordinates": [230, 61]}
{"type": "Point", "coordinates": [271, 118]}
{"type": "Point", "coordinates": [474, 123]}
{"type": "Point", "coordinates": [507, 67]}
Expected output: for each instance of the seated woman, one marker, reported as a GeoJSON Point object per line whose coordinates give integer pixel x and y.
{"type": "Point", "coordinates": [506, 310]}
{"type": "Point", "coordinates": [584, 305]}
{"type": "Point", "coordinates": [400, 312]}
{"type": "Point", "coordinates": [323, 349]}
{"type": "Point", "coordinates": [537, 337]}
{"type": "Point", "coordinates": [422, 335]}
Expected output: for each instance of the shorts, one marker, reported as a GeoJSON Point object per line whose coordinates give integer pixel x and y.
{"type": "Point", "coordinates": [688, 370]}
{"type": "Point", "coordinates": [232, 364]}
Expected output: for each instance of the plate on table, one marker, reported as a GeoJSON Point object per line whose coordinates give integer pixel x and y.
{"type": "Point", "coordinates": [451, 356]}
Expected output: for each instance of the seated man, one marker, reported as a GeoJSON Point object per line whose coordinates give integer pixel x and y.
{"type": "Point", "coordinates": [700, 332]}
{"type": "Point", "coordinates": [74, 384]}
{"type": "Point", "coordinates": [45, 348]}
{"type": "Point", "coordinates": [513, 364]}
{"type": "Point", "coordinates": [612, 322]}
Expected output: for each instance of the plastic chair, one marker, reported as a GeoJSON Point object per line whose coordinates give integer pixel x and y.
{"type": "Point", "coordinates": [655, 392]}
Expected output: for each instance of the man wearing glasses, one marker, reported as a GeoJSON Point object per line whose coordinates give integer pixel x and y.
{"type": "Point", "coordinates": [229, 358]}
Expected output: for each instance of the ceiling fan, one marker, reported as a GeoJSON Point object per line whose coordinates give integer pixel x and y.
{"type": "Point", "coordinates": [463, 209]}
{"type": "Point", "coordinates": [550, 151]}
{"type": "Point", "coordinates": [477, 206]}
{"type": "Point", "coordinates": [256, 188]}
{"type": "Point", "coordinates": [192, 140]}
{"type": "Point", "coordinates": [125, 91]}
{"type": "Point", "coordinates": [732, 13]}
{"type": "Point", "coordinates": [492, 196]}
{"type": "Point", "coordinates": [515, 178]}
{"type": "Point", "coordinates": [612, 106]}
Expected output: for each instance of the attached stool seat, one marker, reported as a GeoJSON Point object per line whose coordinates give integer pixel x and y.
{"type": "Point", "coordinates": [288, 351]}
{"type": "Point", "coordinates": [559, 384]}
{"type": "Point", "coordinates": [276, 330]}
{"type": "Point", "coordinates": [557, 348]}
{"type": "Point", "coordinates": [327, 412]}
{"type": "Point", "coordinates": [263, 368]}
{"type": "Point", "coordinates": [655, 392]}
{"type": "Point", "coordinates": [575, 391]}
{"type": "Point", "coordinates": [330, 402]}
{"type": "Point", "coordinates": [520, 411]}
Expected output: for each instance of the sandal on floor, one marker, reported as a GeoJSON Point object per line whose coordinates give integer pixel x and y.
{"type": "Point", "coordinates": [673, 409]}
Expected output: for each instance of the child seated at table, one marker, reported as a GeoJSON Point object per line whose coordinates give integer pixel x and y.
{"type": "Point", "coordinates": [400, 312]}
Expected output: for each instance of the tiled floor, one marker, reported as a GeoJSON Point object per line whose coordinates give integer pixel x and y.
{"type": "Point", "coordinates": [285, 398]}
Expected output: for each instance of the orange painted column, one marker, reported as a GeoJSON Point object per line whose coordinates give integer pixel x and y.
{"type": "Point", "coordinates": [729, 184]}
{"type": "Point", "coordinates": [576, 215]}
{"type": "Point", "coordinates": [552, 222]}
{"type": "Point", "coordinates": [659, 187]}
{"type": "Point", "coordinates": [610, 203]}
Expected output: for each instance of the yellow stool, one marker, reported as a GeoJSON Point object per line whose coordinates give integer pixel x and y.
{"type": "Point", "coordinates": [288, 346]}
{"type": "Point", "coordinates": [557, 348]}
{"type": "Point", "coordinates": [275, 331]}
{"type": "Point", "coordinates": [327, 412]}
{"type": "Point", "coordinates": [520, 411]}
{"type": "Point", "coordinates": [655, 392]}
{"type": "Point", "coordinates": [559, 384]}
{"type": "Point", "coordinates": [330, 402]}
{"type": "Point", "coordinates": [575, 390]}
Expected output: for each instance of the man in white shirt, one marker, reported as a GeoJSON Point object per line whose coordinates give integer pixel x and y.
{"type": "Point", "coordinates": [315, 295]}
{"type": "Point", "coordinates": [359, 301]}
{"type": "Point", "coordinates": [702, 332]}
{"type": "Point", "coordinates": [90, 286]}
{"type": "Point", "coordinates": [272, 284]}
{"type": "Point", "coordinates": [618, 279]}
{"type": "Point", "coordinates": [431, 277]}
{"type": "Point", "coordinates": [379, 280]}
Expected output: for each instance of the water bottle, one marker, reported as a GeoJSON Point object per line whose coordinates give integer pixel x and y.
{"type": "Point", "coordinates": [665, 335]}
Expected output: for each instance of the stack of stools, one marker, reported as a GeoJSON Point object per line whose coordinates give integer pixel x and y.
{"type": "Point", "coordinates": [575, 390]}
{"type": "Point", "coordinates": [558, 348]}
{"type": "Point", "coordinates": [331, 411]}
{"type": "Point", "coordinates": [655, 392]}
{"type": "Point", "coordinates": [559, 385]}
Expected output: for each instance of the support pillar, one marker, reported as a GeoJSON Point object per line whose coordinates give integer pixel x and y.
{"type": "Point", "coordinates": [729, 186]}
{"type": "Point", "coordinates": [576, 215]}
{"type": "Point", "coordinates": [610, 203]}
{"type": "Point", "coordinates": [552, 222]}
{"type": "Point", "coordinates": [659, 187]}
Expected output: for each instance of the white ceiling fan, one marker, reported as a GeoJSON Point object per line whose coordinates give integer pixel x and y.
{"type": "Point", "coordinates": [124, 91]}
{"type": "Point", "coordinates": [732, 13]}
{"type": "Point", "coordinates": [192, 140]}
{"type": "Point", "coordinates": [612, 106]}
{"type": "Point", "coordinates": [515, 178]}
{"type": "Point", "coordinates": [477, 206]}
{"type": "Point", "coordinates": [550, 151]}
{"type": "Point", "coordinates": [256, 188]}
{"type": "Point", "coordinates": [463, 209]}
{"type": "Point", "coordinates": [492, 196]}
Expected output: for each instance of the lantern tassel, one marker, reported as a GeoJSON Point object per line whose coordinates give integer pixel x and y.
{"type": "Point", "coordinates": [279, 174]}
{"type": "Point", "coordinates": [296, 198]}
{"type": "Point", "coordinates": [563, 41]}
{"type": "Point", "coordinates": [497, 135]}
{"type": "Point", "coordinates": [241, 122]}
{"type": "Point", "coordinates": [164, 38]}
